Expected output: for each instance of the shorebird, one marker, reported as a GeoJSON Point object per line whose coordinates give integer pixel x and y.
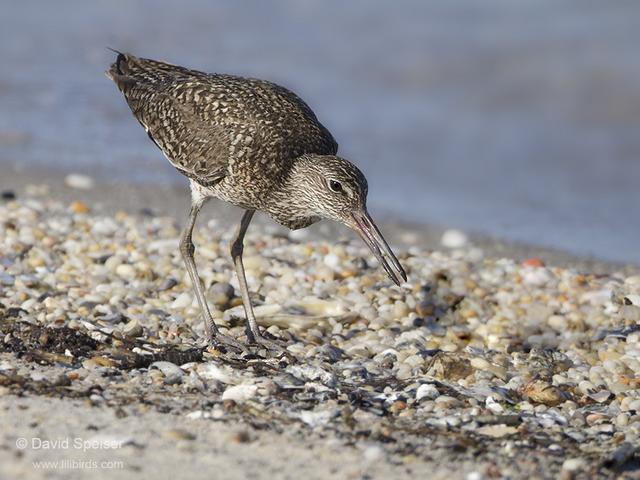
{"type": "Point", "coordinates": [253, 144]}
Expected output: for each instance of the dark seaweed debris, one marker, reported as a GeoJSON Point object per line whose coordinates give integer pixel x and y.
{"type": "Point", "coordinates": [70, 347]}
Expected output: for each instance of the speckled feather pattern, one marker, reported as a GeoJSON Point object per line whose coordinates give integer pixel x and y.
{"type": "Point", "coordinates": [236, 138]}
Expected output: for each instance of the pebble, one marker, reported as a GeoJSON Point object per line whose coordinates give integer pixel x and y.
{"type": "Point", "coordinates": [596, 418]}
{"type": "Point", "coordinates": [6, 279]}
{"type": "Point", "coordinates": [132, 329]}
{"type": "Point", "coordinates": [240, 437]}
{"type": "Point", "coordinates": [79, 207]}
{"type": "Point", "coordinates": [601, 396]}
{"type": "Point", "coordinates": [496, 431]}
{"type": "Point", "coordinates": [182, 301]}
{"type": "Point", "coordinates": [426, 308]}
{"type": "Point", "coordinates": [332, 260]}
{"type": "Point", "coordinates": [198, 415]}
{"type": "Point", "coordinates": [540, 391]}
{"type": "Point", "coordinates": [220, 293]}
{"type": "Point", "coordinates": [586, 387]}
{"type": "Point", "coordinates": [167, 284]}
{"type": "Point", "coordinates": [316, 418]}
{"type": "Point", "coordinates": [622, 420]}
{"type": "Point", "coordinates": [533, 262]}
{"type": "Point", "coordinates": [633, 405]}
{"type": "Point", "coordinates": [454, 239]}
{"type": "Point", "coordinates": [482, 364]}
{"type": "Point", "coordinates": [449, 366]}
{"type": "Point", "coordinates": [99, 361]}
{"type": "Point", "coordinates": [535, 276]}
{"type": "Point", "coordinates": [557, 322]}
{"type": "Point", "coordinates": [6, 367]}
{"type": "Point", "coordinates": [193, 383]}
{"type": "Point", "coordinates": [240, 393]}
{"type": "Point", "coordinates": [427, 391]}
{"type": "Point", "coordinates": [172, 373]}
{"type": "Point", "coordinates": [213, 371]}
{"type": "Point", "coordinates": [313, 373]}
{"type": "Point", "coordinates": [447, 401]}
{"type": "Point", "coordinates": [79, 181]}
{"type": "Point", "coordinates": [494, 406]}
{"type": "Point", "coordinates": [105, 226]}
{"type": "Point", "coordinates": [373, 453]}
{"type": "Point", "coordinates": [126, 271]}
{"type": "Point", "coordinates": [573, 465]}
{"type": "Point", "coordinates": [632, 299]}
{"type": "Point", "coordinates": [469, 337]}
{"type": "Point", "coordinates": [631, 313]}
{"type": "Point", "coordinates": [179, 434]}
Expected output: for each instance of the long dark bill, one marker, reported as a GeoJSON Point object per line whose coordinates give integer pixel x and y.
{"type": "Point", "coordinates": [370, 234]}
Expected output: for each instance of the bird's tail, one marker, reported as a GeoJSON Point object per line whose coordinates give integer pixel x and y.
{"type": "Point", "coordinates": [119, 71]}
{"type": "Point", "coordinates": [129, 69]}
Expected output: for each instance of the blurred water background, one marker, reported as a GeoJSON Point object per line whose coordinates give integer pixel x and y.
{"type": "Point", "coordinates": [517, 119]}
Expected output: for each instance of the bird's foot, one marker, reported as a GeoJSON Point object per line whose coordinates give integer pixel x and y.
{"type": "Point", "coordinates": [218, 340]}
{"type": "Point", "coordinates": [279, 348]}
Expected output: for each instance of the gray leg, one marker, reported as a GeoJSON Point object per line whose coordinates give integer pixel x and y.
{"type": "Point", "coordinates": [187, 249]}
{"type": "Point", "coordinates": [253, 332]}
{"type": "Point", "coordinates": [237, 247]}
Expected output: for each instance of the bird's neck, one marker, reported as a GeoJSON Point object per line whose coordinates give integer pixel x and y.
{"type": "Point", "coordinates": [289, 203]}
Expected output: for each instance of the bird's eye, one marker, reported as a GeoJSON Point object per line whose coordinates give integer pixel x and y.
{"type": "Point", "coordinates": [335, 186]}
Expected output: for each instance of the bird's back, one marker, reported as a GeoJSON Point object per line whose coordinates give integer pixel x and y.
{"type": "Point", "coordinates": [213, 126]}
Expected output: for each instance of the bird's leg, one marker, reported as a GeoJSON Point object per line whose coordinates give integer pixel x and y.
{"type": "Point", "coordinates": [237, 247]}
{"type": "Point", "coordinates": [187, 249]}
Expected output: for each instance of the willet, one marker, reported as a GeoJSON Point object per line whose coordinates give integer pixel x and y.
{"type": "Point", "coordinates": [251, 143]}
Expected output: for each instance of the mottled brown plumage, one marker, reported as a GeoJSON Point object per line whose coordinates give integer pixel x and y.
{"type": "Point", "coordinates": [253, 144]}
{"type": "Point", "coordinates": [209, 125]}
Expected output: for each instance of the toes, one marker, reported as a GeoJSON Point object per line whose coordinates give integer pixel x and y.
{"type": "Point", "coordinates": [220, 340]}
{"type": "Point", "coordinates": [272, 346]}
{"type": "Point", "coordinates": [275, 347]}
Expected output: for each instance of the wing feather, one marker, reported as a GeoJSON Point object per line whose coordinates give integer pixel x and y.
{"type": "Point", "coordinates": [204, 122]}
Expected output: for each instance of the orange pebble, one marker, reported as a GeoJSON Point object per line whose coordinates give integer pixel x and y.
{"type": "Point", "coordinates": [79, 207]}
{"type": "Point", "coordinates": [533, 262]}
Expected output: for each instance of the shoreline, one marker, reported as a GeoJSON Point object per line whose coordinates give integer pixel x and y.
{"type": "Point", "coordinates": [173, 201]}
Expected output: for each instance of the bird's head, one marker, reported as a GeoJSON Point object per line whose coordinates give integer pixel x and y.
{"type": "Point", "coordinates": [331, 187]}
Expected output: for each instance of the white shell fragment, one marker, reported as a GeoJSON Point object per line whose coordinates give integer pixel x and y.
{"type": "Point", "coordinates": [79, 181]}
{"type": "Point", "coordinates": [454, 239]}
{"type": "Point", "coordinates": [240, 393]}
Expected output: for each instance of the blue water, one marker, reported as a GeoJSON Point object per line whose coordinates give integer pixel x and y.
{"type": "Point", "coordinates": [518, 119]}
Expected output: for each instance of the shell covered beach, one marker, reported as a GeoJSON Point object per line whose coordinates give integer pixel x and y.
{"type": "Point", "coordinates": [478, 367]}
